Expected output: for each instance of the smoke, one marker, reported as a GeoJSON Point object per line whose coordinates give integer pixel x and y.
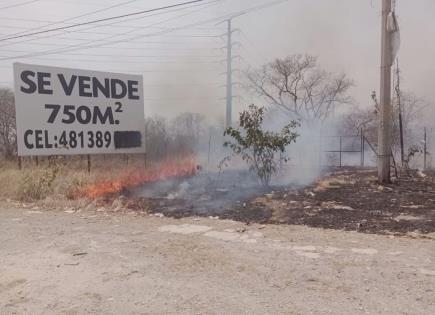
{"type": "Point", "coordinates": [214, 190]}
{"type": "Point", "coordinates": [190, 84]}
{"type": "Point", "coordinates": [306, 157]}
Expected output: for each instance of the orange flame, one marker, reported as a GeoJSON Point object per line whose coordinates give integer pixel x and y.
{"type": "Point", "coordinates": [168, 169]}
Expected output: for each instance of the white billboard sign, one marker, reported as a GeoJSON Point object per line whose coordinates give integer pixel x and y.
{"type": "Point", "coordinates": [68, 111]}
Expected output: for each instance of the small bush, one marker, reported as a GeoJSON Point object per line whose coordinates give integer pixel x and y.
{"type": "Point", "coordinates": [258, 147]}
{"type": "Point", "coordinates": [37, 184]}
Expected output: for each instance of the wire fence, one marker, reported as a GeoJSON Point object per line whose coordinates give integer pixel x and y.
{"type": "Point", "coordinates": [358, 150]}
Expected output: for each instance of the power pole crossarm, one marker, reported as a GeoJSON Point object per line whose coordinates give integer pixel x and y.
{"type": "Point", "coordinates": [384, 133]}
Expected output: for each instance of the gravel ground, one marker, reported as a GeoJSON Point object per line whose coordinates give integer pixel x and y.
{"type": "Point", "coordinates": [55, 262]}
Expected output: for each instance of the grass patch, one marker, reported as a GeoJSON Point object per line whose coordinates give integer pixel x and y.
{"type": "Point", "coordinates": [59, 178]}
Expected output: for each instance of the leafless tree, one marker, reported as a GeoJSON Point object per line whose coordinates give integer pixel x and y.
{"type": "Point", "coordinates": [299, 87]}
{"type": "Point", "coordinates": [367, 120]}
{"type": "Point", "coordinates": [187, 130]}
{"type": "Point", "coordinates": [8, 138]}
{"type": "Point", "coordinates": [179, 136]}
{"type": "Point", "coordinates": [157, 137]}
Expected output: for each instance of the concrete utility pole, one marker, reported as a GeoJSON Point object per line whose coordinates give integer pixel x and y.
{"type": "Point", "coordinates": [384, 132]}
{"type": "Point", "coordinates": [229, 111]}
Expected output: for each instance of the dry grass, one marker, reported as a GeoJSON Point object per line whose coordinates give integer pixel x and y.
{"type": "Point", "coordinates": [56, 180]}
{"type": "Point", "coordinates": [334, 183]}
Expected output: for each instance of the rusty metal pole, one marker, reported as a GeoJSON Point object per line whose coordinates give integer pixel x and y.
{"type": "Point", "coordinates": [89, 164]}
{"type": "Point", "coordinates": [384, 131]}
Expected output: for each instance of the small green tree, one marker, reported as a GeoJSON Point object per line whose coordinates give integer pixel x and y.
{"type": "Point", "coordinates": [258, 147]}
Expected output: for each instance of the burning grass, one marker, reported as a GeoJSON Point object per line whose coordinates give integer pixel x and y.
{"type": "Point", "coordinates": [170, 168]}
{"type": "Point", "coordinates": [66, 179]}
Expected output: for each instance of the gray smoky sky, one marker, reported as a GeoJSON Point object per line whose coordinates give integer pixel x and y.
{"type": "Point", "coordinates": [179, 52]}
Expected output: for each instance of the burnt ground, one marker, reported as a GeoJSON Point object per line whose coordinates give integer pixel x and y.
{"type": "Point", "coordinates": [346, 199]}
{"type": "Point", "coordinates": [352, 200]}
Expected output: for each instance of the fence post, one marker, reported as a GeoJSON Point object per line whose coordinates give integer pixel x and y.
{"type": "Point", "coordinates": [340, 151]}
{"type": "Point", "coordinates": [362, 146]}
{"type": "Point", "coordinates": [89, 164]}
{"type": "Point", "coordinates": [363, 149]}
{"type": "Point", "coordinates": [209, 149]}
{"type": "Point", "coordinates": [425, 150]}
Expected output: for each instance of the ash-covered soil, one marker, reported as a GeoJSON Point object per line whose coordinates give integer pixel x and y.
{"type": "Point", "coordinates": [351, 200]}
{"type": "Point", "coordinates": [204, 195]}
{"type": "Point", "coordinates": [348, 199]}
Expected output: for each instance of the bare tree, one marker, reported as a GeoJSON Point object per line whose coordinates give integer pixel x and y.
{"type": "Point", "coordinates": [8, 137]}
{"type": "Point", "coordinates": [179, 136]}
{"type": "Point", "coordinates": [300, 88]}
{"type": "Point", "coordinates": [157, 137]}
{"type": "Point", "coordinates": [186, 131]}
{"type": "Point", "coordinates": [367, 120]}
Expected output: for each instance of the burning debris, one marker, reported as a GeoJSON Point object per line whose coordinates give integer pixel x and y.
{"type": "Point", "coordinates": [170, 168]}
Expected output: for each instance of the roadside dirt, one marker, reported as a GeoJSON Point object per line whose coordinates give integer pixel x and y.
{"type": "Point", "coordinates": [99, 262]}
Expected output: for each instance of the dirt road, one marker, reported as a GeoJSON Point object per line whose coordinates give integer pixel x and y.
{"type": "Point", "coordinates": [53, 262]}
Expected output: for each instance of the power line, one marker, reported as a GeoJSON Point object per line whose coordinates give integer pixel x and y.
{"type": "Point", "coordinates": [119, 34]}
{"type": "Point", "coordinates": [8, 18]}
{"type": "Point", "coordinates": [132, 47]}
{"type": "Point", "coordinates": [224, 17]}
{"type": "Point", "coordinates": [163, 32]}
{"type": "Point", "coordinates": [127, 55]}
{"type": "Point", "coordinates": [111, 25]}
{"type": "Point", "coordinates": [97, 40]}
{"type": "Point", "coordinates": [101, 20]}
{"type": "Point", "coordinates": [76, 2]}
{"type": "Point", "coordinates": [121, 62]}
{"type": "Point", "coordinates": [18, 4]}
{"type": "Point", "coordinates": [160, 43]}
{"type": "Point", "coordinates": [83, 31]}
{"type": "Point", "coordinates": [79, 16]}
{"type": "Point", "coordinates": [145, 71]}
{"type": "Point", "coordinates": [255, 48]}
{"type": "Point", "coordinates": [170, 99]}
{"type": "Point", "coordinates": [85, 46]}
{"type": "Point", "coordinates": [116, 34]}
{"type": "Point", "coordinates": [183, 85]}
